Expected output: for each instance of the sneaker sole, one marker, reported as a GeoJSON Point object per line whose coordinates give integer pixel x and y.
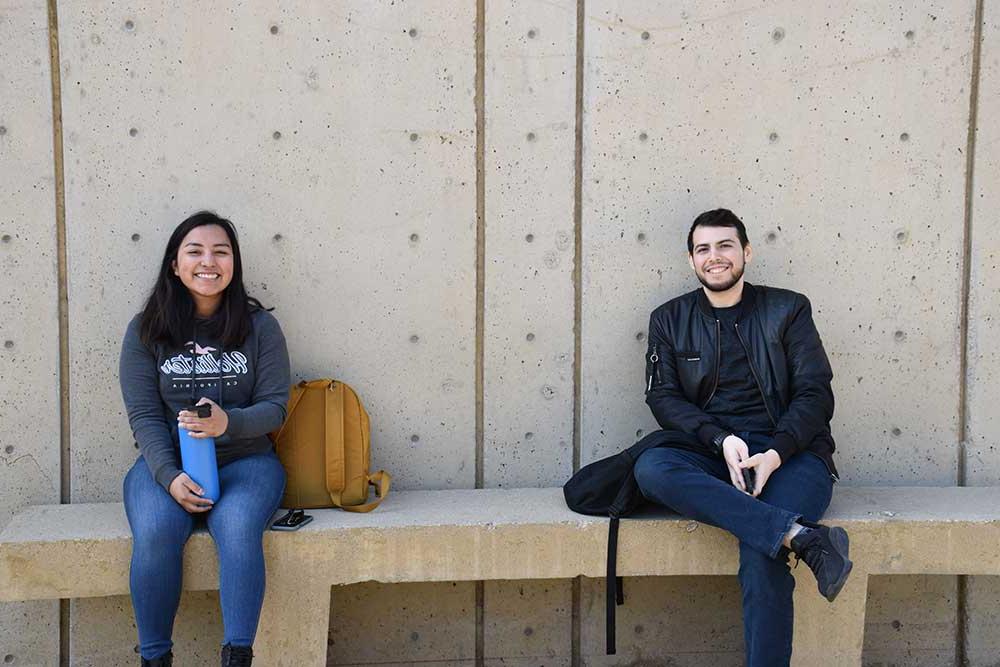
{"type": "Point", "coordinates": [840, 542]}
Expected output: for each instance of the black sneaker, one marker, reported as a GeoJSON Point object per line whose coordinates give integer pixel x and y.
{"type": "Point", "coordinates": [825, 550]}
{"type": "Point", "coordinates": [236, 656]}
{"type": "Point", "coordinates": [163, 661]}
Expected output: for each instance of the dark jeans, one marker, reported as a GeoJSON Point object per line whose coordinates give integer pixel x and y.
{"type": "Point", "coordinates": [697, 486]}
{"type": "Point", "coordinates": [251, 489]}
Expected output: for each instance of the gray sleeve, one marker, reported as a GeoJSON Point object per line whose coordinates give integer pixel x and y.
{"type": "Point", "coordinates": [269, 401]}
{"type": "Point", "coordinates": [139, 381]}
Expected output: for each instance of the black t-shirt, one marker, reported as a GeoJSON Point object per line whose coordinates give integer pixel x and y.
{"type": "Point", "coordinates": [737, 404]}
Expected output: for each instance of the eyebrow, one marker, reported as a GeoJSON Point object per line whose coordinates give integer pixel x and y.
{"type": "Point", "coordinates": [217, 245]}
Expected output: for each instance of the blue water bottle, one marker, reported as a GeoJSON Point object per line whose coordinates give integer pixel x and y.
{"type": "Point", "coordinates": [198, 457]}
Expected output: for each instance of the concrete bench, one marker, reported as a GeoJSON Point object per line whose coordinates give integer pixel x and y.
{"type": "Point", "coordinates": [82, 550]}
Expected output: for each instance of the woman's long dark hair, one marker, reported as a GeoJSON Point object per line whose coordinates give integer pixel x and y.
{"type": "Point", "coordinates": [169, 314]}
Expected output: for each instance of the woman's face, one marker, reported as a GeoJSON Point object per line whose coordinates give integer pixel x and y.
{"type": "Point", "coordinates": [204, 263]}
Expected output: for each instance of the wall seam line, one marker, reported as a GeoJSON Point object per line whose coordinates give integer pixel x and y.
{"type": "Point", "coordinates": [961, 605]}
{"type": "Point", "coordinates": [65, 479]}
{"type": "Point", "coordinates": [577, 585]}
{"type": "Point", "coordinates": [480, 105]}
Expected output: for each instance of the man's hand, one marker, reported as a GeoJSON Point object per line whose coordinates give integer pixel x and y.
{"type": "Point", "coordinates": [188, 494]}
{"type": "Point", "coordinates": [765, 464]}
{"type": "Point", "coordinates": [209, 427]}
{"type": "Point", "coordinates": [734, 450]}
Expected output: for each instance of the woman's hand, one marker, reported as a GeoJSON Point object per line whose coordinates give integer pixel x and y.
{"type": "Point", "coordinates": [208, 427]}
{"type": "Point", "coordinates": [765, 464]}
{"type": "Point", "coordinates": [188, 494]}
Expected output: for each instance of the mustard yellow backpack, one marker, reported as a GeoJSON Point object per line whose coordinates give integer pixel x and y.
{"type": "Point", "coordinates": [324, 447]}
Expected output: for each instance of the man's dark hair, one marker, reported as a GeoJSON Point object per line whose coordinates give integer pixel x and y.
{"type": "Point", "coordinates": [720, 217]}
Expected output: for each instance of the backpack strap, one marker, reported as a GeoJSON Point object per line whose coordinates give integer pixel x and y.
{"type": "Point", "coordinates": [381, 481]}
{"type": "Point", "coordinates": [612, 586]}
{"type": "Point", "coordinates": [293, 402]}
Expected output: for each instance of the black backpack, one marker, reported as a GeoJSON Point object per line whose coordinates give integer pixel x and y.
{"type": "Point", "coordinates": [608, 488]}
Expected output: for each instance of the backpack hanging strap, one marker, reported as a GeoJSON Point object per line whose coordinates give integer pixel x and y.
{"type": "Point", "coordinates": [612, 586]}
{"type": "Point", "coordinates": [298, 391]}
{"type": "Point", "coordinates": [381, 481]}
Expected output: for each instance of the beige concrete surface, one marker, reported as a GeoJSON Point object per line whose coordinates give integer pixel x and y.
{"type": "Point", "coordinates": [341, 146]}
{"type": "Point", "coordinates": [528, 622]}
{"type": "Point", "coordinates": [82, 550]}
{"type": "Point", "coordinates": [530, 112]}
{"type": "Point", "coordinates": [796, 120]}
{"type": "Point", "coordinates": [29, 319]}
{"type": "Point", "coordinates": [983, 434]}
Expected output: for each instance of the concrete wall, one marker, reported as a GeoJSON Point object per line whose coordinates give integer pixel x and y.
{"type": "Point", "coordinates": [370, 175]}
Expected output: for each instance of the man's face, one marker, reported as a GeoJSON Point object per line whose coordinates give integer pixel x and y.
{"type": "Point", "coordinates": [718, 259]}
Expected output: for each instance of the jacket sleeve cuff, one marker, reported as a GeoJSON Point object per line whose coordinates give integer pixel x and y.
{"type": "Point", "coordinates": [785, 445]}
{"type": "Point", "coordinates": [707, 433]}
{"type": "Point", "coordinates": [166, 475]}
{"type": "Point", "coordinates": [234, 429]}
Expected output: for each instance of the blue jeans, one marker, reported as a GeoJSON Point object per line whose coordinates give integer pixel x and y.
{"type": "Point", "coordinates": [698, 486]}
{"type": "Point", "coordinates": [251, 489]}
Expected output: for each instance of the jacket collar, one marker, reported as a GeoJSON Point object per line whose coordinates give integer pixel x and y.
{"type": "Point", "coordinates": [746, 302]}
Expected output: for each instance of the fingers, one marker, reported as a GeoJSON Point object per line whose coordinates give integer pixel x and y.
{"type": "Point", "coordinates": [751, 462]}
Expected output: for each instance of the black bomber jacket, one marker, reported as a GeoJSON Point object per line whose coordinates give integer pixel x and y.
{"type": "Point", "coordinates": [786, 357]}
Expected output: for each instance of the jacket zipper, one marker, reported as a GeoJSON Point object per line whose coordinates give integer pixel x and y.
{"type": "Point", "coordinates": [718, 363]}
{"type": "Point", "coordinates": [654, 358]}
{"type": "Point", "coordinates": [753, 371]}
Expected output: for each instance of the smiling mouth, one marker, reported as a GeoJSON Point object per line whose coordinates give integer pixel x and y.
{"type": "Point", "coordinates": [717, 268]}
{"type": "Point", "coordinates": [207, 276]}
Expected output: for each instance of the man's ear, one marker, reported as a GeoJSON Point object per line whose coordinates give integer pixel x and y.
{"type": "Point", "coordinates": [691, 261]}
{"type": "Point", "coordinates": [748, 253]}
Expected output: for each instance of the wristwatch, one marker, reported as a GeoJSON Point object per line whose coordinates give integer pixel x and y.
{"type": "Point", "coordinates": [718, 440]}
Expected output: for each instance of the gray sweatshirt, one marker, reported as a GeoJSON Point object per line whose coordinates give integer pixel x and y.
{"type": "Point", "coordinates": [250, 383]}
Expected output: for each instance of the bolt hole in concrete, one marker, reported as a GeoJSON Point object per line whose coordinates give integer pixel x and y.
{"type": "Point", "coordinates": [529, 237]}
{"type": "Point", "coordinates": [414, 338]}
{"type": "Point", "coordinates": [9, 449]}
{"type": "Point", "coordinates": [412, 32]}
{"type": "Point", "coordinates": [905, 136]}
{"type": "Point", "coordinates": [3, 130]}
{"type": "Point", "coordinates": [532, 33]}
{"type": "Point", "coordinates": [531, 136]}
{"type": "Point", "coordinates": [897, 432]}
{"type": "Point", "coordinates": [5, 238]}
{"type": "Point", "coordinates": [8, 658]}
{"type": "Point", "coordinates": [639, 433]}
{"type": "Point", "coordinates": [414, 136]}
{"type": "Point", "coordinates": [645, 36]}
{"type": "Point", "coordinates": [643, 136]}
{"type": "Point", "coordinates": [130, 25]}
{"type": "Point", "coordinates": [640, 336]}
{"type": "Point", "coordinates": [910, 34]}
{"type": "Point", "coordinates": [901, 235]}
{"type": "Point", "coordinates": [771, 237]}
{"type": "Point", "coordinates": [8, 344]}
{"type": "Point", "coordinates": [132, 132]}
{"type": "Point", "coordinates": [529, 435]}
{"type": "Point", "coordinates": [136, 237]}
{"type": "Point", "coordinates": [641, 237]}
{"type": "Point", "coordinates": [530, 337]}
{"type": "Point", "coordinates": [773, 137]}
{"type": "Point", "coordinates": [414, 438]}
{"type": "Point", "coordinates": [899, 335]}
{"type": "Point", "coordinates": [414, 238]}
{"type": "Point", "coordinates": [277, 237]}
{"type": "Point", "coordinates": [274, 30]}
{"type": "Point", "coordinates": [778, 34]}
{"type": "Point", "coordinates": [528, 632]}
